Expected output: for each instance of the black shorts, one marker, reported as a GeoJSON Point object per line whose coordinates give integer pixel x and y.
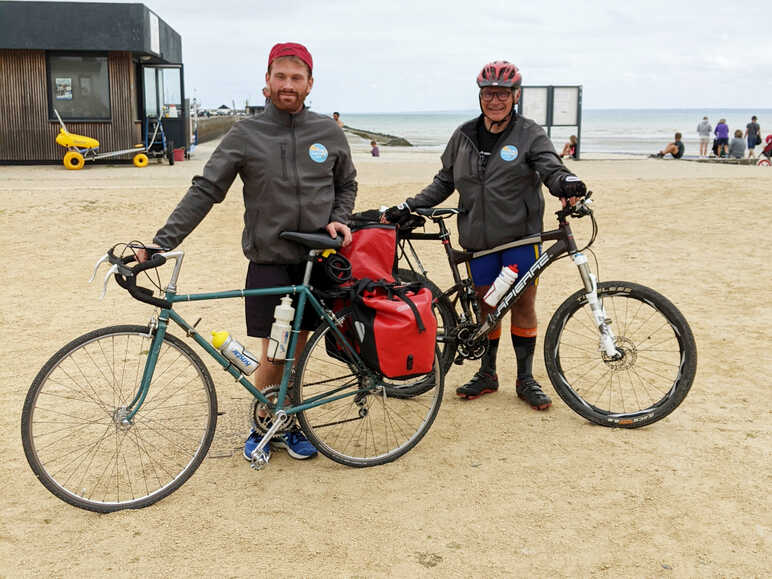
{"type": "Point", "coordinates": [258, 310]}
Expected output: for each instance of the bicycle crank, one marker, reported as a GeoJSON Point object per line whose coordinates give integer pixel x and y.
{"type": "Point", "coordinates": [468, 347]}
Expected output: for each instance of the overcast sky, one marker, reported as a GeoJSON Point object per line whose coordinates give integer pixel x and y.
{"type": "Point", "coordinates": [394, 56]}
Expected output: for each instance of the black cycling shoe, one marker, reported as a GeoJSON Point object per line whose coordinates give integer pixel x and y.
{"type": "Point", "coordinates": [529, 390]}
{"type": "Point", "coordinates": [481, 383]}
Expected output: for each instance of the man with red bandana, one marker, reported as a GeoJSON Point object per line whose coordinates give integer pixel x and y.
{"type": "Point", "coordinates": [298, 176]}
{"type": "Point", "coordinates": [498, 162]}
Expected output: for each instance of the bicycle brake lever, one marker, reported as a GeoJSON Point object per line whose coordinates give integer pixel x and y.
{"type": "Point", "coordinates": [101, 260]}
{"type": "Point", "coordinates": [112, 271]}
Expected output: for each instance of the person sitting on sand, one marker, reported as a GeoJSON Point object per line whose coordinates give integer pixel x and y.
{"type": "Point", "coordinates": [569, 149]}
{"type": "Point", "coordinates": [737, 146]}
{"type": "Point", "coordinates": [676, 148]}
{"type": "Point", "coordinates": [375, 152]}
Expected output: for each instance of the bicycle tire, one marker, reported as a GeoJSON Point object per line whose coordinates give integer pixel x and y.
{"type": "Point", "coordinates": [447, 320]}
{"type": "Point", "coordinates": [371, 428]}
{"type": "Point", "coordinates": [654, 375]}
{"type": "Point", "coordinates": [71, 429]}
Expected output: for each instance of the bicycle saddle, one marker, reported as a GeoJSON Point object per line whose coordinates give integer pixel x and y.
{"type": "Point", "coordinates": [437, 212]}
{"type": "Point", "coordinates": [313, 240]}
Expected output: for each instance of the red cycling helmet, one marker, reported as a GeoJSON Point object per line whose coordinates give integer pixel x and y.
{"type": "Point", "coordinates": [500, 73]}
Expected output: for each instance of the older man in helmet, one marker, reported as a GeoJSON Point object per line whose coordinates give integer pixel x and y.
{"type": "Point", "coordinates": [498, 162]}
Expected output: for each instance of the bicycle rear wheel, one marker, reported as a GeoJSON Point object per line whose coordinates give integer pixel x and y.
{"type": "Point", "coordinates": [655, 372]}
{"type": "Point", "coordinates": [443, 312]}
{"type": "Point", "coordinates": [72, 431]}
{"type": "Point", "coordinates": [374, 426]}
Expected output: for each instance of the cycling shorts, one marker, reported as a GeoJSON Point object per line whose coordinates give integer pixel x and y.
{"type": "Point", "coordinates": [485, 269]}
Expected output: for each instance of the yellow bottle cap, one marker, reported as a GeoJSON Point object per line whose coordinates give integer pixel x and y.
{"type": "Point", "coordinates": [218, 338]}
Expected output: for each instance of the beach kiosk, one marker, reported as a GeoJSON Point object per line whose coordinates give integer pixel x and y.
{"type": "Point", "coordinates": [110, 70]}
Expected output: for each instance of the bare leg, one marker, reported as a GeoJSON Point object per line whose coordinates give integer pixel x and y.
{"type": "Point", "coordinates": [269, 373]}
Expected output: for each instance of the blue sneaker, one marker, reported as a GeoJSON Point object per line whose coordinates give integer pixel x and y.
{"type": "Point", "coordinates": [250, 445]}
{"type": "Point", "coordinates": [296, 443]}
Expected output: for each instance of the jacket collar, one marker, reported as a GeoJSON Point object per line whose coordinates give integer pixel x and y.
{"type": "Point", "coordinates": [284, 118]}
{"type": "Point", "coordinates": [469, 128]}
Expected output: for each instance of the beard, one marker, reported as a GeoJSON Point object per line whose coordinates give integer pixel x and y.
{"type": "Point", "coordinates": [288, 100]}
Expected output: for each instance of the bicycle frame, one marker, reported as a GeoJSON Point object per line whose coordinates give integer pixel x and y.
{"type": "Point", "coordinates": [564, 244]}
{"type": "Point", "coordinates": [305, 295]}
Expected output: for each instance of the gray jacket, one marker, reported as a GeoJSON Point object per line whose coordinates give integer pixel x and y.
{"type": "Point", "coordinates": [502, 201]}
{"type": "Point", "coordinates": [297, 173]}
{"type": "Point", "coordinates": [704, 129]}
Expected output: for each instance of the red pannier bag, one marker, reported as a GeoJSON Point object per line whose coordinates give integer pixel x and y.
{"type": "Point", "coordinates": [372, 251]}
{"type": "Point", "coordinates": [394, 326]}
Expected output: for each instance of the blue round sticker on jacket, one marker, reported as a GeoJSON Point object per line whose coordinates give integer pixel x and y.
{"type": "Point", "coordinates": [508, 152]}
{"type": "Point", "coordinates": [318, 152]}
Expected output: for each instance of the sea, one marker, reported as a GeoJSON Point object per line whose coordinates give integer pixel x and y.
{"type": "Point", "coordinates": [604, 132]}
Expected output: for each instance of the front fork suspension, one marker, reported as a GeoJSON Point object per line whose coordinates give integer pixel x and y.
{"type": "Point", "coordinates": [607, 342]}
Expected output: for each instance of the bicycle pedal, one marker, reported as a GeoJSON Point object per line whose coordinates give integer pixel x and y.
{"type": "Point", "coordinates": [459, 360]}
{"type": "Point", "coordinates": [259, 461]}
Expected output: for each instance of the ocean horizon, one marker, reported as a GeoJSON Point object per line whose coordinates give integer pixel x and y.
{"type": "Point", "coordinates": [615, 131]}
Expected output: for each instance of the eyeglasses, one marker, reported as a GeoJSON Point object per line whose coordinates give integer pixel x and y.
{"type": "Point", "coordinates": [502, 96]}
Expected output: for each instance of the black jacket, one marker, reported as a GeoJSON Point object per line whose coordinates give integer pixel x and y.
{"type": "Point", "coordinates": [501, 199]}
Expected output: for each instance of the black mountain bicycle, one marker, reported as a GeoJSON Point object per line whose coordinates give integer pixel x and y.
{"type": "Point", "coordinates": [618, 353]}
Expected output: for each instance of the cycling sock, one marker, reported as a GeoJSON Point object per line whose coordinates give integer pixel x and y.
{"type": "Point", "coordinates": [524, 348]}
{"type": "Point", "coordinates": [489, 358]}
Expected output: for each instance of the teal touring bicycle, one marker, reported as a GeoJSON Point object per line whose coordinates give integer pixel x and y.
{"type": "Point", "coordinates": [122, 416]}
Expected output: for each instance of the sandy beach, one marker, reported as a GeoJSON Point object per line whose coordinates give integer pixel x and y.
{"type": "Point", "coordinates": [495, 488]}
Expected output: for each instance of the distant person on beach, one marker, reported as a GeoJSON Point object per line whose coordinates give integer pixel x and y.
{"type": "Point", "coordinates": [722, 138]}
{"type": "Point", "coordinates": [753, 134]}
{"type": "Point", "coordinates": [737, 146]}
{"type": "Point", "coordinates": [498, 162]}
{"type": "Point", "coordinates": [320, 197]}
{"type": "Point", "coordinates": [569, 149]}
{"type": "Point", "coordinates": [703, 130]}
{"type": "Point", "coordinates": [676, 148]}
{"type": "Point", "coordinates": [336, 118]}
{"type": "Point", "coordinates": [374, 151]}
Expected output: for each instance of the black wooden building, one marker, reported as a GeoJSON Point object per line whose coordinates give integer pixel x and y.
{"type": "Point", "coordinates": [109, 70]}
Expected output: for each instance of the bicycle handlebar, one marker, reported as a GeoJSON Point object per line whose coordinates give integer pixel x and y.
{"type": "Point", "coordinates": [126, 277]}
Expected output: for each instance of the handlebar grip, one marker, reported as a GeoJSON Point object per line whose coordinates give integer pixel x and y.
{"type": "Point", "coordinates": [127, 278]}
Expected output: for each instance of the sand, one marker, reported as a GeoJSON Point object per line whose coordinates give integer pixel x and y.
{"type": "Point", "coordinates": [495, 488]}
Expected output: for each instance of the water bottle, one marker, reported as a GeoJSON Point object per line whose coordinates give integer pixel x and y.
{"type": "Point", "coordinates": [281, 329]}
{"type": "Point", "coordinates": [237, 354]}
{"type": "Point", "coordinates": [501, 284]}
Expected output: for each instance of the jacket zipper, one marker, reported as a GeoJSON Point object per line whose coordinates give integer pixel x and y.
{"type": "Point", "coordinates": [481, 172]}
{"type": "Point", "coordinates": [284, 160]}
{"type": "Point", "coordinates": [295, 167]}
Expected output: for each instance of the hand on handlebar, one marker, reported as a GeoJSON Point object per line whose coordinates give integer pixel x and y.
{"type": "Point", "coordinates": [397, 214]}
{"type": "Point", "coordinates": [144, 252]}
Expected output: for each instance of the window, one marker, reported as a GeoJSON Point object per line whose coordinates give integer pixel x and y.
{"type": "Point", "coordinates": [79, 87]}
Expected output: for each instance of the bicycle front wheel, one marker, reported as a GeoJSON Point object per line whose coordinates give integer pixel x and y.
{"type": "Point", "coordinates": [73, 431]}
{"type": "Point", "coordinates": [657, 364]}
{"type": "Point", "coordinates": [376, 423]}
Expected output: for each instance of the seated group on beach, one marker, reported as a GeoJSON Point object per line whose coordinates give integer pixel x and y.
{"type": "Point", "coordinates": [722, 147]}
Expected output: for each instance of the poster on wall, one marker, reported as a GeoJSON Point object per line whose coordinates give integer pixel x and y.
{"type": "Point", "coordinates": [565, 106]}
{"type": "Point", "coordinates": [534, 104]}
{"type": "Point", "coordinates": [63, 88]}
